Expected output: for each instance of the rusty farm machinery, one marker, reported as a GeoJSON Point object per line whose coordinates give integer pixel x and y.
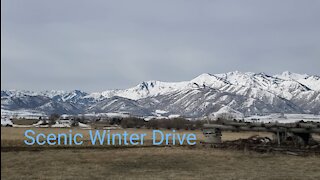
{"type": "Point", "coordinates": [293, 138]}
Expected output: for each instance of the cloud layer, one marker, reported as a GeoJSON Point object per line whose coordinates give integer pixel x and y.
{"type": "Point", "coordinates": [98, 45]}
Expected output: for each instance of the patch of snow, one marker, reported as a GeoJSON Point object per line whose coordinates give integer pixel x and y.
{"type": "Point", "coordinates": [285, 118]}
{"type": "Point", "coordinates": [82, 125]}
{"type": "Point", "coordinates": [171, 116]}
{"type": "Point", "coordinates": [27, 114]}
{"type": "Point", "coordinates": [229, 110]}
{"type": "Point", "coordinates": [6, 121]}
{"type": "Point", "coordinates": [160, 111]}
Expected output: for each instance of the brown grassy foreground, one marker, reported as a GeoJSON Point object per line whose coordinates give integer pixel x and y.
{"type": "Point", "coordinates": [15, 136]}
{"type": "Point", "coordinates": [155, 163]}
{"type": "Point", "coordinates": [149, 162]}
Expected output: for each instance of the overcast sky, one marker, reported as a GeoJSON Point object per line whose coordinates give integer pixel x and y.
{"type": "Point", "coordinates": [98, 45]}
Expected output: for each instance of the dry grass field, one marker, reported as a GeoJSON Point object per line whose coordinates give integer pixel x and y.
{"type": "Point", "coordinates": [173, 162]}
{"type": "Point", "coordinates": [155, 163]}
{"type": "Point", "coordinates": [24, 121]}
{"type": "Point", "coordinates": [16, 135]}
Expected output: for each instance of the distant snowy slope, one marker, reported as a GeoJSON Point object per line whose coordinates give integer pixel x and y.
{"type": "Point", "coordinates": [311, 81]}
{"type": "Point", "coordinates": [238, 92]}
{"type": "Point", "coordinates": [144, 89]}
{"type": "Point", "coordinates": [285, 88]}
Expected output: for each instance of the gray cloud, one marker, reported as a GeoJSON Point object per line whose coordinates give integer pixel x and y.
{"type": "Point", "coordinates": [98, 45]}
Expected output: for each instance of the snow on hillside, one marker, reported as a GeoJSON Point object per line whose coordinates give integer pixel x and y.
{"type": "Point", "coordinates": [31, 114]}
{"type": "Point", "coordinates": [236, 92]}
{"type": "Point", "coordinates": [311, 81]}
{"type": "Point", "coordinates": [229, 110]}
{"type": "Point", "coordinates": [283, 118]}
{"type": "Point", "coordinates": [143, 90]}
{"type": "Point", "coordinates": [6, 121]}
{"type": "Point", "coordinates": [280, 85]}
{"type": "Point", "coordinates": [209, 80]}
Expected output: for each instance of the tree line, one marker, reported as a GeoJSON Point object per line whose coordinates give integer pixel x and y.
{"type": "Point", "coordinates": [136, 122]}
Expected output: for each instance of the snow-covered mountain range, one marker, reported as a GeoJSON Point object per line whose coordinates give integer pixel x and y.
{"type": "Point", "coordinates": [245, 93]}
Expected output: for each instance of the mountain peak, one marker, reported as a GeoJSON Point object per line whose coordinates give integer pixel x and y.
{"type": "Point", "coordinates": [244, 92]}
{"type": "Point", "coordinates": [210, 80]}
{"type": "Point", "coordinates": [205, 75]}
{"type": "Point", "coordinates": [287, 75]}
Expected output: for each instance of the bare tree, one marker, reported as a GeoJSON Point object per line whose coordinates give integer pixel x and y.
{"type": "Point", "coordinates": [53, 118]}
{"type": "Point", "coordinates": [225, 117]}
